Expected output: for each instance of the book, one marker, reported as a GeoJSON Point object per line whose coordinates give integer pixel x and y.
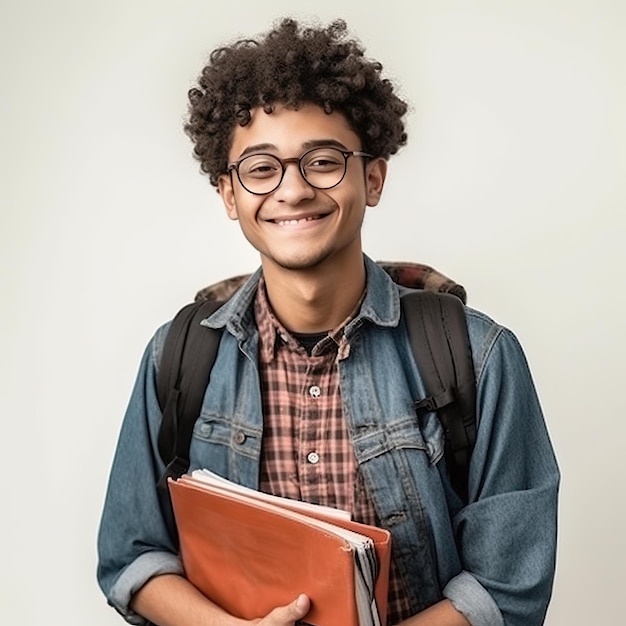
{"type": "Point", "coordinates": [250, 552]}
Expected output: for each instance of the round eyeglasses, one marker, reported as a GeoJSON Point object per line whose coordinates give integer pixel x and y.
{"type": "Point", "coordinates": [322, 168]}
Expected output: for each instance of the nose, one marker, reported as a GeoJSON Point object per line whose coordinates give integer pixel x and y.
{"type": "Point", "coordinates": [293, 188]}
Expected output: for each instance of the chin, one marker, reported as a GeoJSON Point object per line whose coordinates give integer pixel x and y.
{"type": "Point", "coordinates": [300, 263]}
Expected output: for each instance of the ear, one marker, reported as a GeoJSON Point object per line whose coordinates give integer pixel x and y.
{"type": "Point", "coordinates": [375, 174]}
{"type": "Point", "coordinates": [226, 191]}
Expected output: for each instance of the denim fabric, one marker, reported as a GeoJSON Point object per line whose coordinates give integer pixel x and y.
{"type": "Point", "coordinates": [494, 558]}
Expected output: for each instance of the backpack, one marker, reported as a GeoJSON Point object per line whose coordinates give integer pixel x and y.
{"type": "Point", "coordinates": [439, 340]}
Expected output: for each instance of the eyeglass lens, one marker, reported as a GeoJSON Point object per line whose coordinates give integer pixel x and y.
{"type": "Point", "coordinates": [322, 168]}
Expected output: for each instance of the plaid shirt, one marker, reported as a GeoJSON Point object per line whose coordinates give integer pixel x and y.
{"type": "Point", "coordinates": [307, 452]}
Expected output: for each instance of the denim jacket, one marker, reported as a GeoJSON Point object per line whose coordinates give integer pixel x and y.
{"type": "Point", "coordinates": [493, 558]}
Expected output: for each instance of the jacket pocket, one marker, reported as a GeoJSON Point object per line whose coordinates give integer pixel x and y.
{"type": "Point", "coordinates": [404, 433]}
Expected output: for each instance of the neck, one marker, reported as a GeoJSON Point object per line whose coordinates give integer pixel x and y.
{"type": "Point", "coordinates": [316, 299]}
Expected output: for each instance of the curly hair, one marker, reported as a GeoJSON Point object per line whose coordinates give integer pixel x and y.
{"type": "Point", "coordinates": [292, 65]}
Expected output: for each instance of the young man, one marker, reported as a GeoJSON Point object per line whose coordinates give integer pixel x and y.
{"type": "Point", "coordinates": [312, 393]}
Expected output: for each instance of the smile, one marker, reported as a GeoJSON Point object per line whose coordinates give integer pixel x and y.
{"type": "Point", "coordinates": [294, 222]}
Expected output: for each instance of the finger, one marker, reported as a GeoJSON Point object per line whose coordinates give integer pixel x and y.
{"type": "Point", "coordinates": [292, 612]}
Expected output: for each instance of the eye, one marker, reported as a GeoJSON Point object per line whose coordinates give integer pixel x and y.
{"type": "Point", "coordinates": [259, 166]}
{"type": "Point", "coordinates": [323, 160]}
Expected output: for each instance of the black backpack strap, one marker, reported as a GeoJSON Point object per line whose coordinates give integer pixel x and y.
{"type": "Point", "coordinates": [438, 333]}
{"type": "Point", "coordinates": [188, 355]}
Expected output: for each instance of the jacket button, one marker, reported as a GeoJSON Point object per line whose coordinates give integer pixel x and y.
{"type": "Point", "coordinates": [240, 437]}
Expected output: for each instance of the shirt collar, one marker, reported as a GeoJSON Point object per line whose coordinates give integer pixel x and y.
{"type": "Point", "coordinates": [271, 331]}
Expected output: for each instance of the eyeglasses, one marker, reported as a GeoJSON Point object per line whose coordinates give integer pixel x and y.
{"type": "Point", "coordinates": [322, 168]}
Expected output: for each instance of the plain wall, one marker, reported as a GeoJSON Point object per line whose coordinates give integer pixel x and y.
{"type": "Point", "coordinates": [512, 183]}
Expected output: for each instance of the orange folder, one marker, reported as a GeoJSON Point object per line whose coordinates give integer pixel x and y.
{"type": "Point", "coordinates": [250, 552]}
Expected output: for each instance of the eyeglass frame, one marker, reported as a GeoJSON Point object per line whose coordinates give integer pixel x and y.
{"type": "Point", "coordinates": [345, 153]}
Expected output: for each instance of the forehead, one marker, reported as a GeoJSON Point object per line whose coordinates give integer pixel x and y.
{"type": "Point", "coordinates": [287, 131]}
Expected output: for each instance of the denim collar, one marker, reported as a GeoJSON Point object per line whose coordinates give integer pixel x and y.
{"type": "Point", "coordinates": [380, 307]}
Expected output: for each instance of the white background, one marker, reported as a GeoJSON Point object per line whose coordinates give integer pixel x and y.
{"type": "Point", "coordinates": [513, 184]}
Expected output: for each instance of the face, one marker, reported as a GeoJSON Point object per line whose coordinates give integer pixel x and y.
{"type": "Point", "coordinates": [298, 227]}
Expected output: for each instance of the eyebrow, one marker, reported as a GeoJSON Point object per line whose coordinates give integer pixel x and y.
{"type": "Point", "coordinates": [307, 145]}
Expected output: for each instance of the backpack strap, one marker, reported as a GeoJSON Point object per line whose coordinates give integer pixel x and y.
{"type": "Point", "coordinates": [188, 355]}
{"type": "Point", "coordinates": [437, 331]}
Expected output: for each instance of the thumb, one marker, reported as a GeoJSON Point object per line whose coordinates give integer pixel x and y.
{"type": "Point", "coordinates": [301, 605]}
{"type": "Point", "coordinates": [293, 611]}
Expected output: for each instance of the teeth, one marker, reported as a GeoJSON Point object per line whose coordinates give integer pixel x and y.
{"type": "Point", "coordinates": [294, 222]}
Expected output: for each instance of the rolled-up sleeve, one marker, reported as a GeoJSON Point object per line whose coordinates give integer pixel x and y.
{"type": "Point", "coordinates": [470, 598]}
{"type": "Point", "coordinates": [137, 538]}
{"type": "Point", "coordinates": [507, 533]}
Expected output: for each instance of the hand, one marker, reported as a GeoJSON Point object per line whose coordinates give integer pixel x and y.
{"type": "Point", "coordinates": [286, 615]}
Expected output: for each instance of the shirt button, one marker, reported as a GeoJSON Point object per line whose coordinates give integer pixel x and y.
{"type": "Point", "coordinates": [313, 457]}
{"type": "Point", "coordinates": [315, 391]}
